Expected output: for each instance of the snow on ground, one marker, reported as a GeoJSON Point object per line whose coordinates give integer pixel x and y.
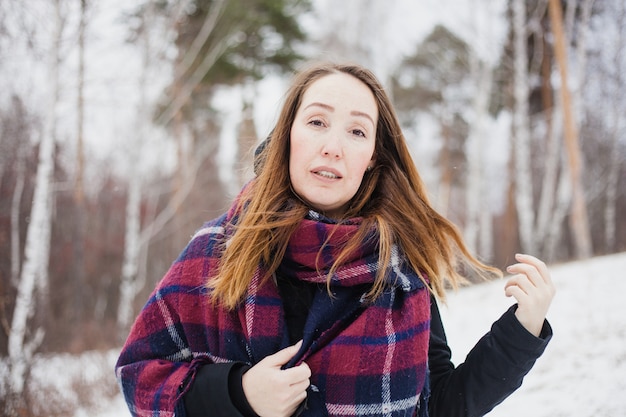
{"type": "Point", "coordinates": [582, 372]}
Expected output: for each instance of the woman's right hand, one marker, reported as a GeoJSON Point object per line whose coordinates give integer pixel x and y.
{"type": "Point", "coordinates": [532, 287]}
{"type": "Point", "coordinates": [275, 392]}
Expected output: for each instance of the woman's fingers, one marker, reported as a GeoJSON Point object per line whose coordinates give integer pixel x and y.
{"type": "Point", "coordinates": [532, 287]}
{"type": "Point", "coordinates": [283, 356]}
{"type": "Point", "coordinates": [272, 391]}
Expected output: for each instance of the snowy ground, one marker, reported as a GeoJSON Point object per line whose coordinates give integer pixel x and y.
{"type": "Point", "coordinates": [582, 373]}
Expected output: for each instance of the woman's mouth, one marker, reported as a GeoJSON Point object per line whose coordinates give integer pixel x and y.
{"type": "Point", "coordinates": [327, 174]}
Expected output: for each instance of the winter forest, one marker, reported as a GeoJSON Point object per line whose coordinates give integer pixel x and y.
{"type": "Point", "coordinates": [125, 125]}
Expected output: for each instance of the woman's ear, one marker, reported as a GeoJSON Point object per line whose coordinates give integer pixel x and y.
{"type": "Point", "coordinates": [371, 165]}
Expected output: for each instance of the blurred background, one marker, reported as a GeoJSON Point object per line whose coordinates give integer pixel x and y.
{"type": "Point", "coordinates": [124, 125]}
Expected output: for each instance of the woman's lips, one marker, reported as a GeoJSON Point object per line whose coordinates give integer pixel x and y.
{"type": "Point", "coordinates": [327, 174]}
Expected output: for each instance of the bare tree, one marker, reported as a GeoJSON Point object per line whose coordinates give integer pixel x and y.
{"type": "Point", "coordinates": [23, 341]}
{"type": "Point", "coordinates": [556, 192]}
{"type": "Point", "coordinates": [185, 85]}
{"type": "Point", "coordinates": [616, 128]}
{"type": "Point", "coordinates": [80, 106]}
{"type": "Point", "coordinates": [521, 131]}
{"type": "Point", "coordinates": [15, 218]}
{"type": "Point", "coordinates": [78, 241]}
{"type": "Point", "coordinates": [129, 284]}
{"type": "Point", "coordinates": [212, 40]}
{"type": "Point", "coordinates": [478, 229]}
{"type": "Point", "coordinates": [138, 235]}
{"type": "Point", "coordinates": [423, 85]}
{"type": "Point", "coordinates": [18, 128]}
{"type": "Point", "coordinates": [246, 138]}
{"type": "Point", "coordinates": [579, 222]}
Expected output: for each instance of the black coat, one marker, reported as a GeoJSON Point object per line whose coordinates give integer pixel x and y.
{"type": "Point", "coordinates": [493, 369]}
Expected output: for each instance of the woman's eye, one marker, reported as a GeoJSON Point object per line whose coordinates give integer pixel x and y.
{"type": "Point", "coordinates": [316, 122]}
{"type": "Point", "coordinates": [358, 132]}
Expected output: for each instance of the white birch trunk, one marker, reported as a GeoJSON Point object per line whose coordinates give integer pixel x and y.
{"type": "Point", "coordinates": [562, 207]}
{"type": "Point", "coordinates": [137, 238]}
{"type": "Point", "coordinates": [246, 137]}
{"type": "Point", "coordinates": [45, 233]}
{"type": "Point", "coordinates": [610, 209]}
{"type": "Point", "coordinates": [485, 248]}
{"type": "Point", "coordinates": [128, 286]}
{"type": "Point", "coordinates": [22, 343]}
{"type": "Point", "coordinates": [610, 212]}
{"type": "Point", "coordinates": [521, 134]}
{"type": "Point", "coordinates": [80, 108]}
{"type": "Point", "coordinates": [132, 238]}
{"type": "Point", "coordinates": [545, 211]}
{"type": "Point", "coordinates": [556, 198]}
{"type": "Point", "coordinates": [15, 218]}
{"type": "Point", "coordinates": [581, 59]}
{"type": "Point", "coordinates": [477, 229]}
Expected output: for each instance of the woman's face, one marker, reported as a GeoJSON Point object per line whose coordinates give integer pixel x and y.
{"type": "Point", "coordinates": [332, 142]}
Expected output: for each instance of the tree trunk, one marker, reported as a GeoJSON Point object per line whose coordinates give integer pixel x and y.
{"type": "Point", "coordinates": [78, 241]}
{"type": "Point", "coordinates": [610, 210]}
{"type": "Point", "coordinates": [177, 103]}
{"type": "Point", "coordinates": [445, 183]}
{"type": "Point", "coordinates": [128, 285]}
{"type": "Point", "coordinates": [521, 131]}
{"type": "Point", "coordinates": [554, 205]}
{"type": "Point", "coordinates": [137, 238]}
{"type": "Point", "coordinates": [16, 204]}
{"type": "Point", "coordinates": [247, 138]}
{"type": "Point", "coordinates": [579, 222]}
{"type": "Point", "coordinates": [509, 242]}
{"type": "Point", "coordinates": [562, 205]}
{"type": "Point", "coordinates": [22, 343]}
{"type": "Point", "coordinates": [80, 106]}
{"type": "Point", "coordinates": [552, 149]}
{"type": "Point", "coordinates": [478, 223]}
{"type": "Point", "coordinates": [581, 59]}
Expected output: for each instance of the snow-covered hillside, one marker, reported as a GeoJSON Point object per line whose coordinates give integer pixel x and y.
{"type": "Point", "coordinates": [582, 372]}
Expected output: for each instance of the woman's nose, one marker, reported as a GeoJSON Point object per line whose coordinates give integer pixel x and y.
{"type": "Point", "coordinates": [332, 146]}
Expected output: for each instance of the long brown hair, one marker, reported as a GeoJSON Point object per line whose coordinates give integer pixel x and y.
{"type": "Point", "coordinates": [392, 199]}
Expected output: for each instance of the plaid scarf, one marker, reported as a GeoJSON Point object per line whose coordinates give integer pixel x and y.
{"type": "Point", "coordinates": [366, 358]}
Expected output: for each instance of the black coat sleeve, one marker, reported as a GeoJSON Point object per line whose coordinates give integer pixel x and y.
{"type": "Point", "coordinates": [217, 392]}
{"type": "Point", "coordinates": [492, 370]}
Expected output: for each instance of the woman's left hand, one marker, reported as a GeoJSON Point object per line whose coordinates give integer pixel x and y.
{"type": "Point", "coordinates": [532, 287]}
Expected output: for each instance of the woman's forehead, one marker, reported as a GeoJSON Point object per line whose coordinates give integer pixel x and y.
{"type": "Point", "coordinates": [336, 90]}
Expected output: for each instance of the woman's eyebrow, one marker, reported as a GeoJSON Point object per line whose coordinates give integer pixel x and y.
{"type": "Point", "coordinates": [331, 108]}
{"type": "Point", "coordinates": [363, 114]}
{"type": "Point", "coordinates": [323, 105]}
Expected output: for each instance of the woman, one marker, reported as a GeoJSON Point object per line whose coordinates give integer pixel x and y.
{"type": "Point", "coordinates": [315, 293]}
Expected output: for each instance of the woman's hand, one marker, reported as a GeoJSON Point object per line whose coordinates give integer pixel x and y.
{"type": "Point", "coordinates": [533, 289]}
{"type": "Point", "coordinates": [275, 392]}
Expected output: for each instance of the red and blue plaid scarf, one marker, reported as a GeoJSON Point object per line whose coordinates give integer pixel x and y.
{"type": "Point", "coordinates": [366, 358]}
